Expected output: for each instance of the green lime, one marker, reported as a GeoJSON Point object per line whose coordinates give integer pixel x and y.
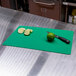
{"type": "Point", "coordinates": [50, 36]}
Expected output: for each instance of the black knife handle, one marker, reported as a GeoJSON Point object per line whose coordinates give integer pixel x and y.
{"type": "Point", "coordinates": [64, 40]}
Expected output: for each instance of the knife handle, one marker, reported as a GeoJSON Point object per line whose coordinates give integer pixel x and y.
{"type": "Point", "coordinates": [64, 40]}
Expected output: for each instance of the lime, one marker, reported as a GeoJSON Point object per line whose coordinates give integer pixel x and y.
{"type": "Point", "coordinates": [50, 36]}
{"type": "Point", "coordinates": [27, 32]}
{"type": "Point", "coordinates": [31, 30]}
{"type": "Point", "coordinates": [21, 30]}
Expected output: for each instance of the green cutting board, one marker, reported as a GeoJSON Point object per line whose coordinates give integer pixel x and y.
{"type": "Point", "coordinates": [38, 40]}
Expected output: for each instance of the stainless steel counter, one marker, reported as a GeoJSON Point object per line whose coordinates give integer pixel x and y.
{"type": "Point", "coordinates": [16, 61]}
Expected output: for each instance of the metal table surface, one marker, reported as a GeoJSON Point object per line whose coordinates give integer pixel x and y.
{"type": "Point", "coordinates": [16, 61]}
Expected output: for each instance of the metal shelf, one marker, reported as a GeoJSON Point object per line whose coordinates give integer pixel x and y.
{"type": "Point", "coordinates": [67, 4]}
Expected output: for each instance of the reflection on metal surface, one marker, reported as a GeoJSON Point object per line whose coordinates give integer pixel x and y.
{"type": "Point", "coordinates": [39, 64]}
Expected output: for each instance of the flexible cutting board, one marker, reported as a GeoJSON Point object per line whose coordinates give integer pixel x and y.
{"type": "Point", "coordinates": [38, 40]}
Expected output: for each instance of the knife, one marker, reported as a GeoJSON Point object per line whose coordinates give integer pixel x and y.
{"type": "Point", "coordinates": [61, 38]}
